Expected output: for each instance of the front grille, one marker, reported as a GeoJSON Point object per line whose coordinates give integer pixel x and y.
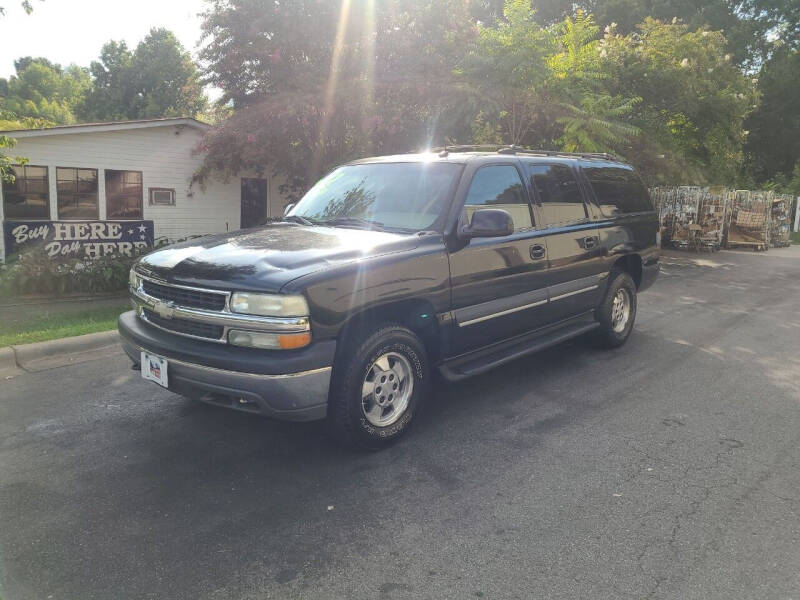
{"type": "Point", "coordinates": [184, 326]}
{"type": "Point", "coordinates": [184, 297]}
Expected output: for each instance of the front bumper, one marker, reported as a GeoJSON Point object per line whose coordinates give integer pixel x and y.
{"type": "Point", "coordinates": [288, 385]}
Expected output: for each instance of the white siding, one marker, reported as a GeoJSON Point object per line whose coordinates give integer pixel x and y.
{"type": "Point", "coordinates": [167, 158]}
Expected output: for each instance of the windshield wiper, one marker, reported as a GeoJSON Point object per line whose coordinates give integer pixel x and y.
{"type": "Point", "coordinates": [298, 219]}
{"type": "Point", "coordinates": [354, 222]}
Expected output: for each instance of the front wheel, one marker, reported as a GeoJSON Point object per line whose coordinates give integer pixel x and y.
{"type": "Point", "coordinates": [380, 381]}
{"type": "Point", "coordinates": [618, 311]}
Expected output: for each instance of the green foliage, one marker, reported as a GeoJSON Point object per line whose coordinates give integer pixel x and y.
{"type": "Point", "coordinates": [694, 100]}
{"type": "Point", "coordinates": [308, 94]}
{"type": "Point", "coordinates": [44, 90]}
{"type": "Point", "coordinates": [33, 272]}
{"type": "Point", "coordinates": [157, 79]}
{"type": "Point", "coordinates": [669, 97]}
{"type": "Point", "coordinates": [773, 142]}
{"type": "Point", "coordinates": [6, 173]}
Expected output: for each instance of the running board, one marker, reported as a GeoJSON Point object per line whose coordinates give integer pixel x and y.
{"type": "Point", "coordinates": [485, 359]}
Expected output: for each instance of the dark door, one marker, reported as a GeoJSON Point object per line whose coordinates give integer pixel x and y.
{"type": "Point", "coordinates": [498, 284]}
{"type": "Point", "coordinates": [576, 270]}
{"type": "Point", "coordinates": [254, 201]}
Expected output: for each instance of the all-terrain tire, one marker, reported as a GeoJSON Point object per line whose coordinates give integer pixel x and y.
{"type": "Point", "coordinates": [617, 312]}
{"type": "Point", "coordinates": [354, 417]}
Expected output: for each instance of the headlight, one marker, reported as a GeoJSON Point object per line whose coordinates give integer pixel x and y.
{"type": "Point", "coordinates": [269, 305]}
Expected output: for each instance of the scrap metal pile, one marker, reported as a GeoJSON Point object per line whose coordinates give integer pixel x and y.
{"type": "Point", "coordinates": [708, 218]}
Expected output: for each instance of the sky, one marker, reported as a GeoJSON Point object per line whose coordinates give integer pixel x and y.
{"type": "Point", "coordinates": [73, 31]}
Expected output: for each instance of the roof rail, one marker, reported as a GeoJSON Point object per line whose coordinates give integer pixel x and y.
{"type": "Point", "coordinates": [512, 149]}
{"type": "Point", "coordinates": [603, 155]}
{"type": "Point", "coordinates": [444, 150]}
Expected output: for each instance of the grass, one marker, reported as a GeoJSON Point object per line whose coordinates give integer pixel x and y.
{"type": "Point", "coordinates": [53, 326]}
{"type": "Point", "coordinates": [795, 237]}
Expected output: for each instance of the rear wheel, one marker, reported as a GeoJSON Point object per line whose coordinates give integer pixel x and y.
{"type": "Point", "coordinates": [617, 313]}
{"type": "Point", "coordinates": [380, 381]}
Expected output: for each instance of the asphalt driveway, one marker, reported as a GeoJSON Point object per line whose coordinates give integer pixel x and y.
{"type": "Point", "coordinates": [665, 469]}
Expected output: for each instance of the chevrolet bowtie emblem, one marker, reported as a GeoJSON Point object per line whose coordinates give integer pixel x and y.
{"type": "Point", "coordinates": [165, 310]}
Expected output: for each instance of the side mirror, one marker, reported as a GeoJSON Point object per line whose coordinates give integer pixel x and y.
{"type": "Point", "coordinates": [488, 222]}
{"type": "Point", "coordinates": [288, 207]}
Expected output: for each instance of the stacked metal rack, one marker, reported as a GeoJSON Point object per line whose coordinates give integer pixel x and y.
{"type": "Point", "coordinates": [781, 219]}
{"type": "Point", "coordinates": [691, 217]}
{"type": "Point", "coordinates": [748, 223]}
{"type": "Point", "coordinates": [707, 218]}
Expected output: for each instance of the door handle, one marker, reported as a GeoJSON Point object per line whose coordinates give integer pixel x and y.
{"type": "Point", "coordinates": [537, 251]}
{"type": "Point", "coordinates": [589, 242]}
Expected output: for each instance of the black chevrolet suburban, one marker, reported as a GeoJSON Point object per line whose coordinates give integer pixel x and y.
{"type": "Point", "coordinates": [389, 269]}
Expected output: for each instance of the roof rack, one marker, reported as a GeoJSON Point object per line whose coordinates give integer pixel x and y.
{"type": "Point", "coordinates": [512, 149]}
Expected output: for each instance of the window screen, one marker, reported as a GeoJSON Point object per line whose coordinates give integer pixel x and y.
{"type": "Point", "coordinates": [558, 192]}
{"type": "Point", "coordinates": [77, 193]}
{"type": "Point", "coordinates": [499, 186]}
{"type": "Point", "coordinates": [28, 196]}
{"type": "Point", "coordinates": [618, 190]}
{"type": "Point", "coordinates": [123, 194]}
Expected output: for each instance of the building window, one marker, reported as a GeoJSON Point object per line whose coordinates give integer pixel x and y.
{"type": "Point", "coordinates": [77, 193]}
{"type": "Point", "coordinates": [123, 194]}
{"type": "Point", "coordinates": [28, 197]}
{"type": "Point", "coordinates": [162, 196]}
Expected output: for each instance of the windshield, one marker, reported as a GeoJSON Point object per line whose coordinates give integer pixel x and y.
{"type": "Point", "coordinates": [395, 196]}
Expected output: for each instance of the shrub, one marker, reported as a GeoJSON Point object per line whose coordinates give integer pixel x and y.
{"type": "Point", "coordinates": [33, 272]}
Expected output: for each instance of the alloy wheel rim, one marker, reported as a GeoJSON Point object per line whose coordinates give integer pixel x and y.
{"type": "Point", "coordinates": [387, 388]}
{"type": "Point", "coordinates": [620, 310]}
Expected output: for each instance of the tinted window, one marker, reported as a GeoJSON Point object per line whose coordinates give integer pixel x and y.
{"type": "Point", "coordinates": [557, 190]}
{"type": "Point", "coordinates": [618, 190]}
{"type": "Point", "coordinates": [499, 186]}
{"type": "Point", "coordinates": [123, 194]}
{"type": "Point", "coordinates": [28, 196]}
{"type": "Point", "coordinates": [77, 193]}
{"type": "Point", "coordinates": [410, 196]}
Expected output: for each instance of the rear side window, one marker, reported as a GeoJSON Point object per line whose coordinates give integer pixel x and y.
{"type": "Point", "coordinates": [499, 186]}
{"type": "Point", "coordinates": [617, 190]}
{"type": "Point", "coordinates": [557, 190]}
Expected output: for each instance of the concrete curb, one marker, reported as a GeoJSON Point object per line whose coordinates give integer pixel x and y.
{"type": "Point", "coordinates": [8, 362]}
{"type": "Point", "coordinates": [41, 356]}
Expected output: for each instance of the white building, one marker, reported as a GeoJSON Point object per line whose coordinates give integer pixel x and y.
{"type": "Point", "coordinates": [102, 188]}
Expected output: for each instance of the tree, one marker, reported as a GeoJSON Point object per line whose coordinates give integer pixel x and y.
{"type": "Point", "coordinates": [157, 79]}
{"type": "Point", "coordinates": [544, 87]}
{"type": "Point", "coordinates": [594, 120]}
{"type": "Point", "coordinates": [44, 90]}
{"type": "Point", "coordinates": [694, 99]}
{"type": "Point", "coordinates": [773, 143]}
{"type": "Point", "coordinates": [507, 73]}
{"type": "Point", "coordinates": [357, 78]}
{"type": "Point", "coordinates": [113, 90]}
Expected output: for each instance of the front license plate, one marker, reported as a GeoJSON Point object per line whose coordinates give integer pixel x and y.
{"type": "Point", "coordinates": [154, 368]}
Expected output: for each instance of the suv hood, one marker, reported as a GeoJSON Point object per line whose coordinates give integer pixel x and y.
{"type": "Point", "coordinates": [267, 258]}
